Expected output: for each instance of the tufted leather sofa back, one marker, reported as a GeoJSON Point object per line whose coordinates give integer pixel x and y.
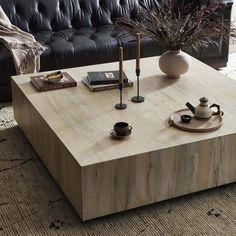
{"type": "Point", "coordinates": [53, 15]}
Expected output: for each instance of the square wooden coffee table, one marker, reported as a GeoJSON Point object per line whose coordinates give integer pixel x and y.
{"type": "Point", "coordinates": [69, 129]}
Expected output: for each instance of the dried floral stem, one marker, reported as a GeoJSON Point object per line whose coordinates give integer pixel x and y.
{"type": "Point", "coordinates": [179, 27]}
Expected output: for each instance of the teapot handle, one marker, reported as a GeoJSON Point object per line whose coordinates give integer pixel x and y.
{"type": "Point", "coordinates": [218, 112]}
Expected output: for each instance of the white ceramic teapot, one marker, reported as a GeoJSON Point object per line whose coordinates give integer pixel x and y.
{"type": "Point", "coordinates": [203, 110]}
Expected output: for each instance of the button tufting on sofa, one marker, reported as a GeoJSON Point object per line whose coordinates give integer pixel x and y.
{"type": "Point", "coordinates": [92, 36]}
{"type": "Point", "coordinates": [18, 10]}
{"type": "Point", "coordinates": [62, 6]}
{"type": "Point", "coordinates": [41, 8]}
{"type": "Point", "coordinates": [122, 2]}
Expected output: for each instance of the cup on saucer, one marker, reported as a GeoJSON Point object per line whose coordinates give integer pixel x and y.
{"type": "Point", "coordinates": [122, 128]}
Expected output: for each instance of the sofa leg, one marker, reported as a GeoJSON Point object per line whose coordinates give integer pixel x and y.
{"type": "Point", "coordinates": [218, 65]}
{"type": "Point", "coordinates": [5, 94]}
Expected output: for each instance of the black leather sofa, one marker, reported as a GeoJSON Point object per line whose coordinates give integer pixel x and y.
{"type": "Point", "coordinates": [81, 32]}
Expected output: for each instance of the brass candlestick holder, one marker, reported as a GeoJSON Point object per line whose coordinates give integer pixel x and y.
{"type": "Point", "coordinates": [138, 98]}
{"type": "Point", "coordinates": [121, 105]}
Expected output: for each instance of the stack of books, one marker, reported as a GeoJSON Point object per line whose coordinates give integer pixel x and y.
{"type": "Point", "coordinates": [102, 80]}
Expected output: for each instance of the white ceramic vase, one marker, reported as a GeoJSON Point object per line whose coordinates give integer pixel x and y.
{"type": "Point", "coordinates": [174, 63]}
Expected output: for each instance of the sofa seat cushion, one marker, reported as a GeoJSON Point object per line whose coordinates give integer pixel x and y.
{"type": "Point", "coordinates": [71, 47]}
{"type": "Point", "coordinates": [86, 46]}
{"type": "Point", "coordinates": [79, 47]}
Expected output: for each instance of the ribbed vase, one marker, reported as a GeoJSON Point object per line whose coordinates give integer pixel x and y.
{"type": "Point", "coordinates": [174, 63]}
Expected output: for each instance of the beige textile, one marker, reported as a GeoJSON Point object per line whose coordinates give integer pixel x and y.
{"type": "Point", "coordinates": [24, 49]}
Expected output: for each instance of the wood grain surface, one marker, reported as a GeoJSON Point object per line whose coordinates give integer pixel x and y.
{"type": "Point", "coordinates": [70, 128]}
{"type": "Point", "coordinates": [195, 125]}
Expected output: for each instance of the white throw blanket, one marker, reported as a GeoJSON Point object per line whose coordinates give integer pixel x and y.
{"type": "Point", "coordinates": [24, 48]}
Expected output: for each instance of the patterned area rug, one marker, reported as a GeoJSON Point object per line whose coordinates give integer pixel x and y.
{"type": "Point", "coordinates": [31, 203]}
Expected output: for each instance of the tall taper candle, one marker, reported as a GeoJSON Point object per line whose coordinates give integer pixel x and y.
{"type": "Point", "coordinates": [138, 51]}
{"type": "Point", "coordinates": [121, 74]}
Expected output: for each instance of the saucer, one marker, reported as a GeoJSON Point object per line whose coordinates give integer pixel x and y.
{"type": "Point", "coordinates": [114, 134]}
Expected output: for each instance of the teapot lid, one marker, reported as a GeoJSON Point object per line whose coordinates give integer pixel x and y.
{"type": "Point", "coordinates": [204, 99]}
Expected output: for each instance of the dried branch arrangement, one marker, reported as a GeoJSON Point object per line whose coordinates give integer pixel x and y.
{"type": "Point", "coordinates": [182, 26]}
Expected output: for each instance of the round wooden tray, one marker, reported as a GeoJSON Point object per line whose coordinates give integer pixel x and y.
{"type": "Point", "coordinates": [195, 125]}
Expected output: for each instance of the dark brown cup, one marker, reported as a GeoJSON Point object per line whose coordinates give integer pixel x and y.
{"type": "Point", "coordinates": [122, 128]}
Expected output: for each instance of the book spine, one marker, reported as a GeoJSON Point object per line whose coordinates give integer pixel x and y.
{"type": "Point", "coordinates": [35, 85]}
{"type": "Point", "coordinates": [114, 86]}
{"type": "Point", "coordinates": [106, 82]}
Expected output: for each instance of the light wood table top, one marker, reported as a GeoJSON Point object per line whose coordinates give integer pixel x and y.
{"type": "Point", "coordinates": [83, 119]}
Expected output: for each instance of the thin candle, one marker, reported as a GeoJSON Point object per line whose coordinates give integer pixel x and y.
{"type": "Point", "coordinates": [137, 98]}
{"type": "Point", "coordinates": [121, 75]}
{"type": "Point", "coordinates": [138, 51]}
